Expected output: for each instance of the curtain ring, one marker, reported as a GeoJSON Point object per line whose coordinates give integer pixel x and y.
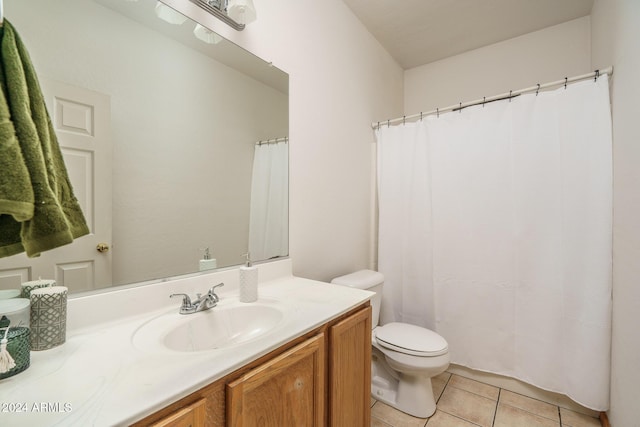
{"type": "Point", "coordinates": [460, 108]}
{"type": "Point", "coordinates": [403, 120]}
{"type": "Point", "coordinates": [388, 123]}
{"type": "Point", "coordinates": [595, 79]}
{"type": "Point", "coordinates": [420, 115]}
{"type": "Point", "coordinates": [510, 95]}
{"type": "Point", "coordinates": [484, 98]}
{"type": "Point", "coordinates": [565, 82]}
{"type": "Point", "coordinates": [538, 90]}
{"type": "Point", "coordinates": [438, 112]}
{"type": "Point", "coordinates": [378, 125]}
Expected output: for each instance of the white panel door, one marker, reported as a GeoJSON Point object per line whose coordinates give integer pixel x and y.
{"type": "Point", "coordinates": [81, 119]}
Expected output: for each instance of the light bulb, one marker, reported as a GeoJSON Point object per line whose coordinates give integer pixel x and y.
{"type": "Point", "coordinates": [169, 15]}
{"type": "Point", "coordinates": [206, 35]}
{"type": "Point", "coordinates": [241, 11]}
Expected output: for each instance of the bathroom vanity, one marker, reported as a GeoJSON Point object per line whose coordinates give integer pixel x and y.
{"type": "Point", "coordinates": [322, 375]}
{"type": "Point", "coordinates": [298, 356]}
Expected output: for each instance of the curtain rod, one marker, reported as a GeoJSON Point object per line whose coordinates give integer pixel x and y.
{"type": "Point", "coordinates": [271, 141]}
{"type": "Point", "coordinates": [507, 95]}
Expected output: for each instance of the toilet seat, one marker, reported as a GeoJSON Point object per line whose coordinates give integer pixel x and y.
{"type": "Point", "coordinates": [410, 339]}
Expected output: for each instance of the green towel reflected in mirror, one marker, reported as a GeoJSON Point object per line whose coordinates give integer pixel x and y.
{"type": "Point", "coordinates": [38, 210]}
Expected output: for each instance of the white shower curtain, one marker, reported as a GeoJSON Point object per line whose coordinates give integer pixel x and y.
{"type": "Point", "coordinates": [495, 228]}
{"type": "Point", "coordinates": [269, 212]}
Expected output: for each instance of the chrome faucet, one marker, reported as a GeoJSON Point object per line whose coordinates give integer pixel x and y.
{"type": "Point", "coordinates": [202, 303]}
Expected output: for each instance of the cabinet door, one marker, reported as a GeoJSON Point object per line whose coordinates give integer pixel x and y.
{"type": "Point", "coordinates": [190, 416]}
{"type": "Point", "coordinates": [350, 371]}
{"type": "Point", "coordinates": [285, 391]}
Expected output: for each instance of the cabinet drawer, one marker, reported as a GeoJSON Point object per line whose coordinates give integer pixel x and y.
{"type": "Point", "coordinates": [189, 416]}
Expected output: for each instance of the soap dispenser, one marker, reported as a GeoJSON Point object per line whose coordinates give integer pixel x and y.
{"type": "Point", "coordinates": [208, 263]}
{"type": "Point", "coordinates": [248, 281]}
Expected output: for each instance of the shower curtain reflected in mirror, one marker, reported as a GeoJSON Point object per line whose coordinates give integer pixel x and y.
{"type": "Point", "coordinates": [495, 229]}
{"type": "Point", "coordinates": [269, 212]}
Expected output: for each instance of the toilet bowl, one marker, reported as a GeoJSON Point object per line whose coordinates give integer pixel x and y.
{"type": "Point", "coordinates": [404, 357]}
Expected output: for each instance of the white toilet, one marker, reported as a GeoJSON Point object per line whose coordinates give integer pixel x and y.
{"type": "Point", "coordinates": [404, 357]}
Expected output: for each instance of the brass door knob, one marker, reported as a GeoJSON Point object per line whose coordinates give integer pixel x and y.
{"type": "Point", "coordinates": [102, 247]}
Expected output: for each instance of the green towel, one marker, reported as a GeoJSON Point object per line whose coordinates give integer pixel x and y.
{"type": "Point", "coordinates": [16, 193]}
{"type": "Point", "coordinates": [57, 218]}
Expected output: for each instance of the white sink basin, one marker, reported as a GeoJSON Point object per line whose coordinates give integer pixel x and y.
{"type": "Point", "coordinates": [220, 327]}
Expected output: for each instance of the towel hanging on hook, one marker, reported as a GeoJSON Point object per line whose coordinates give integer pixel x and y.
{"type": "Point", "coordinates": [44, 213]}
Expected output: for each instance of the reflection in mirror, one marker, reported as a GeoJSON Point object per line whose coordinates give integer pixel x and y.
{"type": "Point", "coordinates": [161, 135]}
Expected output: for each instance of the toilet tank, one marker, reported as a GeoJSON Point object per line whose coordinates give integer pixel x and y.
{"type": "Point", "coordinates": [368, 280]}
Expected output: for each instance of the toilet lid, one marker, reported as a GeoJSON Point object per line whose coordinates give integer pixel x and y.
{"type": "Point", "coordinates": [411, 339]}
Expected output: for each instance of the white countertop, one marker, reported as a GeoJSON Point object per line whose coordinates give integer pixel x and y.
{"type": "Point", "coordinates": [98, 377]}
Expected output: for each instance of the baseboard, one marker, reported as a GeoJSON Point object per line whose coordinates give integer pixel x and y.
{"type": "Point", "coordinates": [525, 389]}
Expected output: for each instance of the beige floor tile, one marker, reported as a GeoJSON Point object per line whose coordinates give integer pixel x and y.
{"type": "Point", "coordinates": [528, 404]}
{"type": "Point", "coordinates": [442, 419]}
{"type": "Point", "coordinates": [438, 385]}
{"type": "Point", "coordinates": [574, 419]}
{"type": "Point", "coordinates": [443, 376]}
{"type": "Point", "coordinates": [395, 418]}
{"type": "Point", "coordinates": [375, 422]}
{"type": "Point", "coordinates": [468, 406]}
{"type": "Point", "coordinates": [484, 390]}
{"type": "Point", "coordinates": [510, 416]}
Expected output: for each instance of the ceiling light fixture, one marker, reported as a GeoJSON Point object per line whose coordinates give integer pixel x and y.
{"type": "Point", "coordinates": [206, 35]}
{"type": "Point", "coordinates": [241, 11]}
{"type": "Point", "coordinates": [169, 15]}
{"type": "Point", "coordinates": [235, 13]}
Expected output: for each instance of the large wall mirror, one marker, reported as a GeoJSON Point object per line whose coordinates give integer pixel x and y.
{"type": "Point", "coordinates": [173, 144]}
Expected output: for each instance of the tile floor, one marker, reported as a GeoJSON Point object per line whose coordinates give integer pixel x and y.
{"type": "Point", "coordinates": [462, 402]}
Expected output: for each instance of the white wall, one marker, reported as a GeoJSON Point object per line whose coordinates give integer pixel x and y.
{"type": "Point", "coordinates": [615, 41]}
{"type": "Point", "coordinates": [539, 57]}
{"type": "Point", "coordinates": [341, 80]}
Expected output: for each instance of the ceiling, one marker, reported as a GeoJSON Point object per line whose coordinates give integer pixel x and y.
{"type": "Point", "coordinates": [416, 32]}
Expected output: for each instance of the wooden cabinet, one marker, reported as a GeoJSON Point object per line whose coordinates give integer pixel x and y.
{"type": "Point", "coordinates": [189, 416]}
{"type": "Point", "coordinates": [285, 391]}
{"type": "Point", "coordinates": [322, 378]}
{"type": "Point", "coordinates": [350, 371]}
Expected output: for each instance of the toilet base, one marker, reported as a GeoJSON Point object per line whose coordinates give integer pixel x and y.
{"type": "Point", "coordinates": [411, 394]}
{"type": "Point", "coordinates": [414, 399]}
{"type": "Point", "coordinates": [383, 391]}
